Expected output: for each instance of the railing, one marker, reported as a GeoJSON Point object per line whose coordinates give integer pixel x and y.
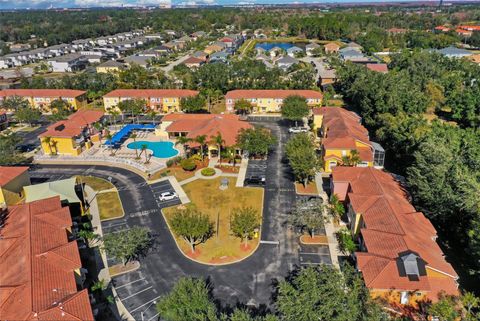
{"type": "Point", "coordinates": [103, 159]}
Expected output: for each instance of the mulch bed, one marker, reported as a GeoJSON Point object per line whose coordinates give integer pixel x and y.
{"type": "Point", "coordinates": [318, 239]}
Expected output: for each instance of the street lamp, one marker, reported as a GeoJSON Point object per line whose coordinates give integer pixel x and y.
{"type": "Point", "coordinates": [141, 313]}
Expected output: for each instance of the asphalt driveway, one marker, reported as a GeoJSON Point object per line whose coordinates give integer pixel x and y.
{"type": "Point", "coordinates": [249, 282]}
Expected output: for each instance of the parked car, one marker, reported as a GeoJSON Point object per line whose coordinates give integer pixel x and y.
{"type": "Point", "coordinates": [295, 130]}
{"type": "Point", "coordinates": [255, 180]}
{"type": "Point", "coordinates": [25, 148]}
{"type": "Point", "coordinates": [167, 196]}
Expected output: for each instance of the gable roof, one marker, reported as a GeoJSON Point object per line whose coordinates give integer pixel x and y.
{"type": "Point", "coordinates": [286, 60]}
{"type": "Point", "coordinates": [9, 173]}
{"type": "Point", "coordinates": [383, 68]}
{"type": "Point", "coordinates": [147, 93]}
{"type": "Point", "coordinates": [38, 262]}
{"type": "Point", "coordinates": [64, 93]}
{"type": "Point", "coordinates": [272, 93]}
{"type": "Point", "coordinates": [74, 124]}
{"type": "Point", "coordinates": [391, 228]}
{"type": "Point", "coordinates": [111, 63]}
{"type": "Point", "coordinates": [342, 130]}
{"type": "Point", "coordinates": [207, 124]}
{"type": "Point", "coordinates": [193, 60]}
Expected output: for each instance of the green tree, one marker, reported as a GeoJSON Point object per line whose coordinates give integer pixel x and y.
{"type": "Point", "coordinates": [351, 160]}
{"type": "Point", "coordinates": [191, 225]}
{"type": "Point", "coordinates": [337, 210]}
{"type": "Point", "coordinates": [256, 141]}
{"type": "Point", "coordinates": [471, 305]}
{"type": "Point", "coordinates": [127, 244]}
{"type": "Point", "coordinates": [244, 222]}
{"type": "Point", "coordinates": [326, 294]}
{"type": "Point", "coordinates": [132, 106]}
{"type": "Point", "coordinates": [295, 108]}
{"type": "Point", "coordinates": [445, 309]}
{"type": "Point", "coordinates": [190, 299]}
{"type": "Point", "coordinates": [192, 104]}
{"type": "Point", "coordinates": [134, 137]}
{"type": "Point", "coordinates": [183, 140]}
{"type": "Point", "coordinates": [219, 141]}
{"type": "Point", "coordinates": [243, 106]}
{"type": "Point", "coordinates": [15, 103]}
{"type": "Point", "coordinates": [345, 241]}
{"type": "Point", "coordinates": [201, 140]}
{"type": "Point", "coordinates": [60, 109]}
{"type": "Point", "coordinates": [302, 157]}
{"type": "Point", "coordinates": [8, 154]}
{"type": "Point", "coordinates": [309, 216]}
{"type": "Point", "coordinates": [27, 115]}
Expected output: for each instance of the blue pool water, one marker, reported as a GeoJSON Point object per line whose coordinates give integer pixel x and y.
{"type": "Point", "coordinates": [284, 45]}
{"type": "Point", "coordinates": [159, 149]}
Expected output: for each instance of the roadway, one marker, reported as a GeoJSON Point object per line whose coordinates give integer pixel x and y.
{"type": "Point", "coordinates": [249, 281]}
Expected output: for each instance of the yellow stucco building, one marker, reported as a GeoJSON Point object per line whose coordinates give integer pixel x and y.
{"type": "Point", "coordinates": [161, 100]}
{"type": "Point", "coordinates": [270, 101]}
{"type": "Point", "coordinates": [344, 138]}
{"type": "Point", "coordinates": [42, 98]}
{"type": "Point", "coordinates": [109, 67]}
{"type": "Point", "coordinates": [12, 181]}
{"type": "Point", "coordinates": [72, 136]}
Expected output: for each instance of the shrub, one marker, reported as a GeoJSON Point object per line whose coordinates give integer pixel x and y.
{"type": "Point", "coordinates": [188, 164]}
{"type": "Point", "coordinates": [174, 161]}
{"type": "Point", "coordinates": [196, 157]}
{"type": "Point", "coordinates": [208, 171]}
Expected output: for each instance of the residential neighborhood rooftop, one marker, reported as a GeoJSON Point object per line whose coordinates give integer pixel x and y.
{"type": "Point", "coordinates": [9, 173]}
{"type": "Point", "coordinates": [74, 124]}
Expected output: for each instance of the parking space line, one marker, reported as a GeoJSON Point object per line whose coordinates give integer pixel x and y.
{"type": "Point", "coordinates": [156, 315]}
{"type": "Point", "coordinates": [134, 294]}
{"type": "Point", "coordinates": [121, 286]}
{"type": "Point", "coordinates": [131, 311]}
{"type": "Point", "coordinates": [306, 253]}
{"type": "Point", "coordinates": [311, 263]}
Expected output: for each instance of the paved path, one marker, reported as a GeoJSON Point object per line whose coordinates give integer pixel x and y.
{"type": "Point", "coordinates": [177, 62]}
{"type": "Point", "coordinates": [249, 281]}
{"type": "Point", "coordinates": [329, 226]}
{"type": "Point", "coordinates": [242, 173]}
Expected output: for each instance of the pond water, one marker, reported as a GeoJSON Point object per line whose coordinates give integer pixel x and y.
{"type": "Point", "coordinates": [284, 45]}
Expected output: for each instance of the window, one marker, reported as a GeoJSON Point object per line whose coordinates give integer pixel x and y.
{"type": "Point", "coordinates": [229, 101]}
{"type": "Point", "coordinates": [344, 153]}
{"type": "Point", "coordinates": [332, 164]}
{"type": "Point", "coordinates": [404, 297]}
{"type": "Point", "coordinates": [362, 164]}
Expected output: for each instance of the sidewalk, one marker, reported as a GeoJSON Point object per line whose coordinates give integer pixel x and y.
{"type": "Point", "coordinates": [104, 274]}
{"type": "Point", "coordinates": [329, 227]}
{"type": "Point", "coordinates": [242, 173]}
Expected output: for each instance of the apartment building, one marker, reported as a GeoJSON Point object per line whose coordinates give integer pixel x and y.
{"type": "Point", "coordinates": [270, 101]}
{"type": "Point", "coordinates": [398, 256]}
{"type": "Point", "coordinates": [341, 133]}
{"type": "Point", "coordinates": [42, 98]}
{"type": "Point", "coordinates": [162, 100]}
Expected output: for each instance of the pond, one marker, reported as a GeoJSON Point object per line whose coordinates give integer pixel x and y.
{"type": "Point", "coordinates": [284, 45]}
{"type": "Point", "coordinates": [159, 149]}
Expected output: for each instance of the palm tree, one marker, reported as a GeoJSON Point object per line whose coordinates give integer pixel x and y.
{"type": "Point", "coordinates": [183, 140]}
{"type": "Point", "coordinates": [109, 137]}
{"type": "Point", "coordinates": [336, 208]}
{"type": "Point", "coordinates": [229, 154]}
{"type": "Point", "coordinates": [219, 141]}
{"type": "Point", "coordinates": [144, 150]}
{"type": "Point", "coordinates": [201, 140]}
{"type": "Point", "coordinates": [134, 137]}
{"type": "Point", "coordinates": [352, 160]}
{"type": "Point", "coordinates": [114, 113]}
{"type": "Point", "coordinates": [152, 113]}
{"type": "Point", "coordinates": [48, 141]}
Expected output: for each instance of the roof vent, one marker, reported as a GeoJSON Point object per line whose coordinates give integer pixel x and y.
{"type": "Point", "coordinates": [411, 265]}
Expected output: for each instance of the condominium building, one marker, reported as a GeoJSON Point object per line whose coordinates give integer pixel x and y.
{"type": "Point", "coordinates": [162, 100]}
{"type": "Point", "coordinates": [42, 98]}
{"type": "Point", "coordinates": [270, 101]}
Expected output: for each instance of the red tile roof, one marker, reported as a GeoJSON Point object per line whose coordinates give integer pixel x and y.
{"type": "Point", "coordinates": [343, 130]}
{"type": "Point", "coordinates": [207, 124]}
{"type": "Point", "coordinates": [147, 93]}
{"type": "Point", "coordinates": [193, 60]}
{"type": "Point", "coordinates": [272, 93]}
{"type": "Point", "coordinates": [9, 173]}
{"type": "Point", "coordinates": [57, 93]}
{"type": "Point", "coordinates": [74, 124]}
{"type": "Point", "coordinates": [38, 262]}
{"type": "Point", "coordinates": [383, 68]}
{"type": "Point", "coordinates": [391, 226]}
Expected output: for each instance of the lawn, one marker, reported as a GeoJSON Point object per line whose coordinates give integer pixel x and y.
{"type": "Point", "coordinates": [109, 205]}
{"type": "Point", "coordinates": [222, 247]}
{"type": "Point", "coordinates": [310, 189]}
{"type": "Point", "coordinates": [97, 184]}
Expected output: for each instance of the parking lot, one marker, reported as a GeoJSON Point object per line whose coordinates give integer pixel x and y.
{"type": "Point", "coordinates": [162, 187]}
{"type": "Point", "coordinates": [256, 168]}
{"type": "Point", "coordinates": [313, 255]}
{"type": "Point", "coordinates": [137, 294]}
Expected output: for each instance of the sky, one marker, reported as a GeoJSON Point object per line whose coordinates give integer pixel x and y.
{"type": "Point", "coordinates": [41, 4]}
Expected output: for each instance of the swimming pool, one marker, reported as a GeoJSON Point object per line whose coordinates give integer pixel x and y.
{"type": "Point", "coordinates": [159, 149]}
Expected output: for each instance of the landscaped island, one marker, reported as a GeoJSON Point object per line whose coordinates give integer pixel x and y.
{"type": "Point", "coordinates": [220, 205]}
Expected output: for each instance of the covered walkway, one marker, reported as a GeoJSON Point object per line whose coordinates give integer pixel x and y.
{"type": "Point", "coordinates": [123, 133]}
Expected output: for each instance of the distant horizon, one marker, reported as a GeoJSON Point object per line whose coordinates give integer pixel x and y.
{"type": "Point", "coordinates": [80, 4]}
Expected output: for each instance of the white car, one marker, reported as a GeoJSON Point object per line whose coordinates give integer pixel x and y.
{"type": "Point", "coordinates": [295, 130]}
{"type": "Point", "coordinates": [167, 196]}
